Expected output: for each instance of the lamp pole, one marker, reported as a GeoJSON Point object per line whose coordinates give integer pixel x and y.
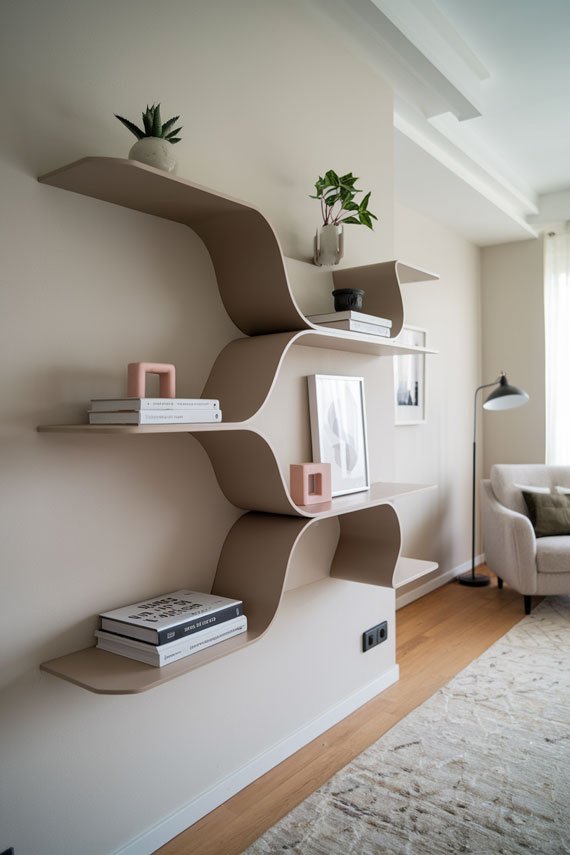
{"type": "Point", "coordinates": [506, 397]}
{"type": "Point", "coordinates": [472, 579]}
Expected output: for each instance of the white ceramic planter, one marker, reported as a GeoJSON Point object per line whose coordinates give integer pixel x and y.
{"type": "Point", "coordinates": [329, 245]}
{"type": "Point", "coordinates": [154, 152]}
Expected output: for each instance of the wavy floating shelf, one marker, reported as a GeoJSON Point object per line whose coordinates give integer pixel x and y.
{"type": "Point", "coordinates": [245, 251]}
{"type": "Point", "coordinates": [243, 572]}
{"type": "Point", "coordinates": [246, 256]}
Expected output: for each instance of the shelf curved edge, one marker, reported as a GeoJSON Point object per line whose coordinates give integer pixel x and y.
{"type": "Point", "coordinates": [242, 243]}
{"type": "Point", "coordinates": [382, 284]}
{"type": "Point", "coordinates": [253, 566]}
{"type": "Point", "coordinates": [246, 370]}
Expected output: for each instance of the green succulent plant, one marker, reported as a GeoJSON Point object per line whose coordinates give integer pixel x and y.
{"type": "Point", "coordinates": [153, 126]}
{"type": "Point", "coordinates": [336, 195]}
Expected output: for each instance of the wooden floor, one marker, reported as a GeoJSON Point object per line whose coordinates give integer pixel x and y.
{"type": "Point", "coordinates": [438, 636]}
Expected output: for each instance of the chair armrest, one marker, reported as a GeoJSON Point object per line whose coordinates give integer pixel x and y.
{"type": "Point", "coordinates": [510, 542]}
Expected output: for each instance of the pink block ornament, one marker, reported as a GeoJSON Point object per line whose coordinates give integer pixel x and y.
{"type": "Point", "coordinates": [310, 483]}
{"type": "Point", "coordinates": [136, 378]}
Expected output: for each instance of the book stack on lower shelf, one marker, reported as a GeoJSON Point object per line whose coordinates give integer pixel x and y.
{"type": "Point", "coordinates": [163, 629]}
{"type": "Point", "coordinates": [354, 322]}
{"type": "Point", "coordinates": [153, 411]}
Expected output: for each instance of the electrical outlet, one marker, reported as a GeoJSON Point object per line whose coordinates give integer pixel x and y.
{"type": "Point", "coordinates": [374, 636]}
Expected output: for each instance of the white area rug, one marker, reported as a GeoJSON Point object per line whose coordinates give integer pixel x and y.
{"type": "Point", "coordinates": [482, 767]}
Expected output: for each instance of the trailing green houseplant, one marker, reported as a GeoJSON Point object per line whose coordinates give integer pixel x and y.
{"type": "Point", "coordinates": [337, 195]}
{"type": "Point", "coordinates": [155, 139]}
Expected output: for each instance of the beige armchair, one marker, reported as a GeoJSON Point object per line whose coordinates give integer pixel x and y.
{"type": "Point", "coordinates": [530, 564]}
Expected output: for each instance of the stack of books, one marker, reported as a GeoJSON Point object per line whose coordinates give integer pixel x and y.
{"type": "Point", "coordinates": [354, 322]}
{"type": "Point", "coordinates": [163, 629]}
{"type": "Point", "coordinates": [153, 411]}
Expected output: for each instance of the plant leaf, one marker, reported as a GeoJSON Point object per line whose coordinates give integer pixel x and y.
{"type": "Point", "coordinates": [365, 219]}
{"type": "Point", "coordinates": [167, 125]}
{"type": "Point", "coordinates": [352, 220]}
{"type": "Point", "coordinates": [175, 140]}
{"type": "Point", "coordinates": [364, 203]}
{"type": "Point", "coordinates": [147, 121]}
{"type": "Point", "coordinates": [172, 133]}
{"type": "Point", "coordinates": [131, 127]}
{"type": "Point", "coordinates": [156, 122]}
{"type": "Point", "coordinates": [332, 178]}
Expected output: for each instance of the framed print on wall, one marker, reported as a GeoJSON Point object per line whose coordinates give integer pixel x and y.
{"type": "Point", "coordinates": [410, 379]}
{"type": "Point", "coordinates": [338, 430]}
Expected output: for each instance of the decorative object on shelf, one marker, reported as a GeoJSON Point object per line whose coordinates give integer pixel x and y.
{"type": "Point", "coordinates": [354, 322]}
{"type": "Point", "coordinates": [336, 195]}
{"type": "Point", "coordinates": [136, 378]}
{"type": "Point", "coordinates": [154, 143]}
{"type": "Point", "coordinates": [410, 379]}
{"type": "Point", "coordinates": [166, 628]}
{"type": "Point", "coordinates": [310, 483]}
{"type": "Point", "coordinates": [348, 299]}
{"type": "Point", "coordinates": [506, 397]}
{"type": "Point", "coordinates": [338, 430]}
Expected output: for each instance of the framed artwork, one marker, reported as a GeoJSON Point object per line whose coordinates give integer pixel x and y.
{"type": "Point", "coordinates": [410, 379]}
{"type": "Point", "coordinates": [338, 430]}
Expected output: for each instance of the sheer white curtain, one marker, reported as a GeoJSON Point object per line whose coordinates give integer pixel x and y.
{"type": "Point", "coordinates": [557, 334]}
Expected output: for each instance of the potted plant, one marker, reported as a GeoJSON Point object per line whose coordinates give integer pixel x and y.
{"type": "Point", "coordinates": [155, 140]}
{"type": "Point", "coordinates": [337, 195]}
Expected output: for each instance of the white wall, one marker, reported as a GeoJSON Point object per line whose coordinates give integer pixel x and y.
{"type": "Point", "coordinates": [513, 341]}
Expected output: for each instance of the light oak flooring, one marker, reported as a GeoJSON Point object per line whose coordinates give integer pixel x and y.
{"type": "Point", "coordinates": [437, 636]}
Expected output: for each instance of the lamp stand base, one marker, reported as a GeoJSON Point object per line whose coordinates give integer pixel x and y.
{"type": "Point", "coordinates": [474, 580]}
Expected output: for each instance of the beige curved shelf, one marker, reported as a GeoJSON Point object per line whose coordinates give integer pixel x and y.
{"type": "Point", "coordinates": [243, 571]}
{"type": "Point", "coordinates": [244, 248]}
{"type": "Point", "coordinates": [382, 285]}
{"type": "Point", "coordinates": [246, 469]}
{"type": "Point", "coordinates": [246, 371]}
{"type": "Point", "coordinates": [410, 570]}
{"type": "Point", "coordinates": [255, 290]}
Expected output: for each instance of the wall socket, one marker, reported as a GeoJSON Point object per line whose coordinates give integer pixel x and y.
{"type": "Point", "coordinates": [374, 636]}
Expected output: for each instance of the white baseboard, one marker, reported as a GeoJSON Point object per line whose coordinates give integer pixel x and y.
{"type": "Point", "coordinates": [436, 582]}
{"type": "Point", "coordinates": [162, 832]}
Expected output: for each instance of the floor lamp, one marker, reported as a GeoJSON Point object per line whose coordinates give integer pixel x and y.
{"type": "Point", "coordinates": [506, 397]}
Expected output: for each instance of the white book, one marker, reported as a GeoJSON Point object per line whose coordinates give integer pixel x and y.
{"type": "Point", "coordinates": [350, 315]}
{"type": "Point", "coordinates": [164, 654]}
{"type": "Point", "coordinates": [157, 417]}
{"type": "Point", "coordinates": [111, 405]}
{"type": "Point", "coordinates": [357, 326]}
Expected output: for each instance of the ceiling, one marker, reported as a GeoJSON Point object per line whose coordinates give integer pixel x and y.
{"type": "Point", "coordinates": [482, 107]}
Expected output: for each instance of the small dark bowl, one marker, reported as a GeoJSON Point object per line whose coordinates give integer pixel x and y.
{"type": "Point", "coordinates": [348, 298]}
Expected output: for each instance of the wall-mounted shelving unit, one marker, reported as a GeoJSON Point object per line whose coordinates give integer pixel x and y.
{"type": "Point", "coordinates": [246, 257]}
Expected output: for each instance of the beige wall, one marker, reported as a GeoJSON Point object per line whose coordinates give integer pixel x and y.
{"type": "Point", "coordinates": [439, 451]}
{"type": "Point", "coordinates": [513, 341]}
{"type": "Point", "coordinates": [89, 523]}
{"type": "Point", "coordinates": [93, 523]}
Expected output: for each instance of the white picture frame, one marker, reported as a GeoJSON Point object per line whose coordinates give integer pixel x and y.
{"type": "Point", "coordinates": [338, 430]}
{"type": "Point", "coordinates": [410, 379]}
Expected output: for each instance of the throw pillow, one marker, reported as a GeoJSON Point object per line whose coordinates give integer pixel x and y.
{"type": "Point", "coordinates": [549, 513]}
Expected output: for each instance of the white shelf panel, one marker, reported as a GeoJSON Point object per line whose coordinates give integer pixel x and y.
{"type": "Point", "coordinates": [379, 493]}
{"type": "Point", "coordinates": [410, 569]}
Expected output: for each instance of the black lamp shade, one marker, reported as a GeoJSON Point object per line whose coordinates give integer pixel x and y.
{"type": "Point", "coordinates": [505, 397]}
